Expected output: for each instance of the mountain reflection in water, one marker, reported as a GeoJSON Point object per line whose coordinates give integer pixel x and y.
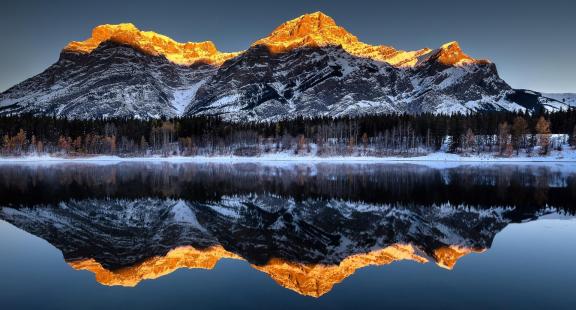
{"type": "Point", "coordinates": [307, 226]}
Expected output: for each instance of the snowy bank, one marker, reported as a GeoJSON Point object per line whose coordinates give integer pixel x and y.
{"type": "Point", "coordinates": [568, 156]}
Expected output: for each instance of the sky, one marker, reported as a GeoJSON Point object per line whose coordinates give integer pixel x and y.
{"type": "Point", "coordinates": [533, 43]}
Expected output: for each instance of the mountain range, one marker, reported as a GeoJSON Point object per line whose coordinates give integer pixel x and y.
{"type": "Point", "coordinates": [308, 67]}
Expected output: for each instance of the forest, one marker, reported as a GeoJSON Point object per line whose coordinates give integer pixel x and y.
{"type": "Point", "coordinates": [497, 133]}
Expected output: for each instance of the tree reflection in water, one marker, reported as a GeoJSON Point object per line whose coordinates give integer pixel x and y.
{"type": "Point", "coordinates": [307, 226]}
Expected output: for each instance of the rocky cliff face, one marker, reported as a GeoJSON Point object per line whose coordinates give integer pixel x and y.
{"type": "Point", "coordinates": [308, 66]}
{"type": "Point", "coordinates": [329, 81]}
{"type": "Point", "coordinates": [113, 80]}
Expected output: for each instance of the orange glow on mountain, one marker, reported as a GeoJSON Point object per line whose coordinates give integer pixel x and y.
{"type": "Point", "coordinates": [450, 54]}
{"type": "Point", "coordinates": [153, 44]}
{"type": "Point", "coordinates": [306, 279]}
{"type": "Point", "coordinates": [309, 30]}
{"type": "Point", "coordinates": [319, 30]}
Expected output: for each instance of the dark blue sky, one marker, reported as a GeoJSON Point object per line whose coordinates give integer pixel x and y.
{"type": "Point", "coordinates": [533, 44]}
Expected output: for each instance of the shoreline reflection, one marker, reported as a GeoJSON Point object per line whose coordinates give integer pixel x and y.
{"type": "Point", "coordinates": [308, 227]}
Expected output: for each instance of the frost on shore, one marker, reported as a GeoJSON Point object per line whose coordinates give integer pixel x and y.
{"type": "Point", "coordinates": [560, 151]}
{"type": "Point", "coordinates": [566, 155]}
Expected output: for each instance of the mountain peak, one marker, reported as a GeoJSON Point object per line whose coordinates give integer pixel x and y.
{"type": "Point", "coordinates": [320, 30]}
{"type": "Point", "coordinates": [151, 43]}
{"type": "Point", "coordinates": [451, 54]}
{"type": "Point", "coordinates": [319, 17]}
{"type": "Point", "coordinates": [450, 45]}
{"type": "Point", "coordinates": [314, 29]}
{"type": "Point", "coordinates": [309, 30]}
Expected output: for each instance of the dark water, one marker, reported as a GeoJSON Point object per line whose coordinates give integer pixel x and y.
{"type": "Point", "coordinates": [298, 236]}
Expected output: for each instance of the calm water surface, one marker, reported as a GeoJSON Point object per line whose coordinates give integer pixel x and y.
{"type": "Point", "coordinates": [287, 236]}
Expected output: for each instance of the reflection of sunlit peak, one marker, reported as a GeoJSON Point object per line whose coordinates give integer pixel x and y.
{"type": "Point", "coordinates": [155, 267]}
{"type": "Point", "coordinates": [318, 279]}
{"type": "Point", "coordinates": [447, 256]}
{"type": "Point", "coordinates": [304, 278]}
{"type": "Point", "coordinates": [151, 43]}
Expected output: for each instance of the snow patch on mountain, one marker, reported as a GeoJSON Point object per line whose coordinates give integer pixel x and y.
{"type": "Point", "coordinates": [184, 96]}
{"type": "Point", "coordinates": [565, 98]}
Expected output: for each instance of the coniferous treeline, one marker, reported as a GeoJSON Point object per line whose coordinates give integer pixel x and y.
{"type": "Point", "coordinates": [504, 134]}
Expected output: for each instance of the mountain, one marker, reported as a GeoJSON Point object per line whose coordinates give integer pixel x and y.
{"type": "Point", "coordinates": [308, 66]}
{"type": "Point", "coordinates": [119, 71]}
{"type": "Point", "coordinates": [567, 98]}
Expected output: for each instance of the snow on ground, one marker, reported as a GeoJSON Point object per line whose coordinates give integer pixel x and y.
{"type": "Point", "coordinates": [567, 155]}
{"type": "Point", "coordinates": [437, 159]}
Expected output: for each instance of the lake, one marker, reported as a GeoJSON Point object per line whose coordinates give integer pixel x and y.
{"type": "Point", "coordinates": [157, 235]}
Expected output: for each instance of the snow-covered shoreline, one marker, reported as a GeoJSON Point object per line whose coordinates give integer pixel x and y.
{"type": "Point", "coordinates": [567, 156]}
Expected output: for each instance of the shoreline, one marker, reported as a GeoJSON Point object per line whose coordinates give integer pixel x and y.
{"type": "Point", "coordinates": [283, 158]}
